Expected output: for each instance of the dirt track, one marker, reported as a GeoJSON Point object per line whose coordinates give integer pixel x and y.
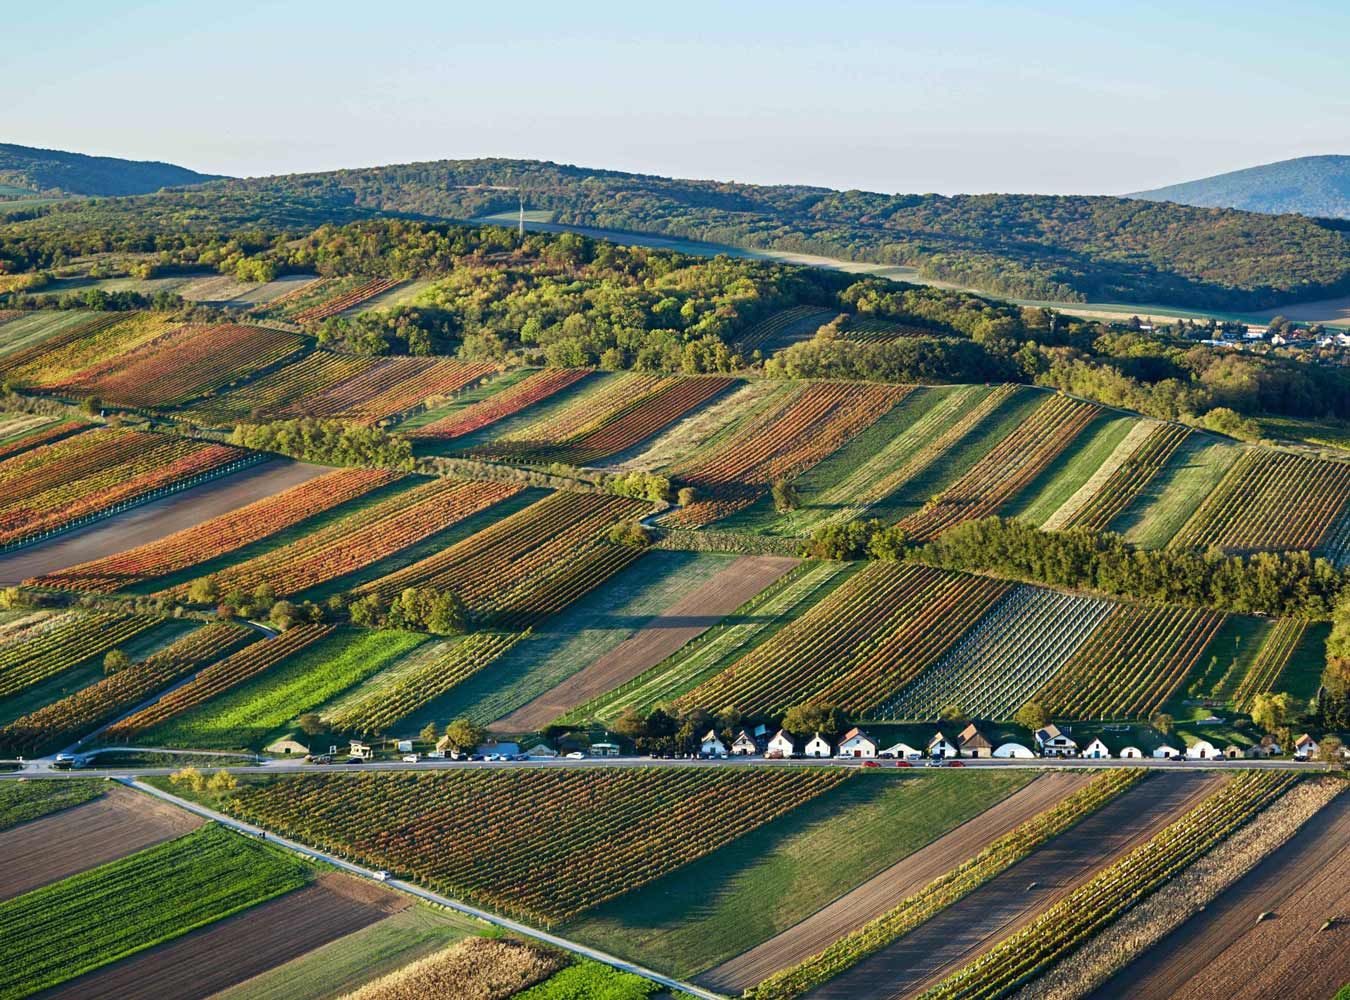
{"type": "Point", "coordinates": [218, 956]}
{"type": "Point", "coordinates": [75, 840]}
{"type": "Point", "coordinates": [880, 893]}
{"type": "Point", "coordinates": [1011, 900]}
{"type": "Point", "coordinates": [1223, 952]}
{"type": "Point", "coordinates": [684, 620]}
{"type": "Point", "coordinates": [153, 521]}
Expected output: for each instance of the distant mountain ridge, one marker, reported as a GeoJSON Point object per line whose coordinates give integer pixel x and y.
{"type": "Point", "coordinates": [52, 171]}
{"type": "Point", "coordinates": [1317, 186]}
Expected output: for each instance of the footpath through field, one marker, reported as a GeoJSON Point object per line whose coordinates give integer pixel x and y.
{"type": "Point", "coordinates": [427, 895]}
{"type": "Point", "coordinates": [1009, 901]}
{"type": "Point", "coordinates": [883, 891]}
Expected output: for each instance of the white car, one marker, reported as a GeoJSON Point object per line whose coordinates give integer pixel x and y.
{"type": "Point", "coordinates": [576, 755]}
{"type": "Point", "coordinates": [411, 758]}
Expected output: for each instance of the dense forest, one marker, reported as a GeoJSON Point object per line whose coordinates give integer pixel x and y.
{"type": "Point", "coordinates": [51, 171]}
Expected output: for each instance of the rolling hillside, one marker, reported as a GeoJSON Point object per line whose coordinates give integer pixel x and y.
{"type": "Point", "coordinates": [25, 170]}
{"type": "Point", "coordinates": [1309, 185]}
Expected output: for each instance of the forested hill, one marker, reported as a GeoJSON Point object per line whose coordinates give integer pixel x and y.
{"type": "Point", "coordinates": [51, 171]}
{"type": "Point", "coordinates": [1309, 185]}
{"type": "Point", "coordinates": [1031, 246]}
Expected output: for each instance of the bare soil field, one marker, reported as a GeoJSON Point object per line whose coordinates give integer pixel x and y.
{"type": "Point", "coordinates": [62, 844]}
{"type": "Point", "coordinates": [152, 521]}
{"type": "Point", "coordinates": [242, 946]}
{"type": "Point", "coordinates": [678, 624]}
{"type": "Point", "coordinates": [1223, 952]}
{"type": "Point", "coordinates": [882, 892]}
{"type": "Point", "coordinates": [1013, 899]}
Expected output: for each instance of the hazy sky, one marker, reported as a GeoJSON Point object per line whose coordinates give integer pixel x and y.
{"type": "Point", "coordinates": [1065, 97]}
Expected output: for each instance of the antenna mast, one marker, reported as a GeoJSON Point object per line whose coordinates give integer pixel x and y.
{"type": "Point", "coordinates": [521, 227]}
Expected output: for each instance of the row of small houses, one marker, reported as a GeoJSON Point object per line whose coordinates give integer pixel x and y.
{"type": "Point", "coordinates": [1050, 742]}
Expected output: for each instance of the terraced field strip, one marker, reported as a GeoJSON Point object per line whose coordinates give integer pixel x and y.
{"type": "Point", "coordinates": [361, 538]}
{"type": "Point", "coordinates": [21, 436]}
{"type": "Point", "coordinates": [385, 387]}
{"type": "Point", "coordinates": [247, 944]}
{"type": "Point", "coordinates": [220, 535]}
{"type": "Point", "coordinates": [529, 564]}
{"type": "Point", "coordinates": [997, 666]}
{"type": "Point", "coordinates": [750, 624]}
{"type": "Point", "coordinates": [379, 710]}
{"type": "Point", "coordinates": [119, 822]}
{"type": "Point", "coordinates": [62, 485]}
{"type": "Point", "coordinates": [57, 725]}
{"type": "Point", "coordinates": [997, 907]}
{"type": "Point", "coordinates": [58, 644]}
{"type": "Point", "coordinates": [878, 895]}
{"type": "Point", "coordinates": [780, 443]}
{"type": "Point", "coordinates": [1091, 907]}
{"type": "Point", "coordinates": [183, 364]}
{"type": "Point", "coordinates": [276, 391]}
{"type": "Point", "coordinates": [1270, 661]}
{"type": "Point", "coordinates": [1133, 663]}
{"type": "Point", "coordinates": [51, 363]}
{"type": "Point", "coordinates": [1227, 951]}
{"type": "Point", "coordinates": [601, 400]}
{"type": "Point", "coordinates": [856, 647]}
{"type": "Point", "coordinates": [346, 300]}
{"type": "Point", "coordinates": [1014, 462]}
{"type": "Point", "coordinates": [229, 672]}
{"type": "Point", "coordinates": [786, 325]}
{"type": "Point", "coordinates": [1270, 500]}
{"type": "Point", "coordinates": [142, 900]}
{"type": "Point", "coordinates": [23, 345]}
{"type": "Point", "coordinates": [881, 331]}
{"type": "Point", "coordinates": [677, 625]}
{"type": "Point", "coordinates": [1145, 451]}
{"type": "Point", "coordinates": [532, 389]}
{"type": "Point", "coordinates": [547, 842]}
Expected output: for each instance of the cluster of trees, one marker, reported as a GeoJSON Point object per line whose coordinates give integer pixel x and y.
{"type": "Point", "coordinates": [871, 539]}
{"type": "Point", "coordinates": [332, 442]}
{"type": "Point", "coordinates": [643, 486]}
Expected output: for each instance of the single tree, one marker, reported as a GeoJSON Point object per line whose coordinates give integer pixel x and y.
{"type": "Point", "coordinates": [1162, 722]}
{"type": "Point", "coordinates": [785, 496]}
{"type": "Point", "coordinates": [1331, 751]}
{"type": "Point", "coordinates": [1272, 711]}
{"type": "Point", "coordinates": [803, 720]}
{"type": "Point", "coordinates": [952, 712]}
{"type": "Point", "coordinates": [115, 661]}
{"type": "Point", "coordinates": [465, 734]}
{"type": "Point", "coordinates": [429, 733]}
{"type": "Point", "coordinates": [203, 591]}
{"type": "Point", "coordinates": [630, 724]}
{"type": "Point", "coordinates": [1032, 716]}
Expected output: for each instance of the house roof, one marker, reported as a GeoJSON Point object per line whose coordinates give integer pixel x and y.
{"type": "Point", "coordinates": [711, 735]}
{"type": "Point", "coordinates": [853, 733]}
{"type": "Point", "coordinates": [784, 736]}
{"type": "Point", "coordinates": [939, 738]}
{"type": "Point", "coordinates": [1304, 740]}
{"type": "Point", "coordinates": [971, 736]}
{"type": "Point", "coordinates": [817, 737]}
{"type": "Point", "coordinates": [744, 735]}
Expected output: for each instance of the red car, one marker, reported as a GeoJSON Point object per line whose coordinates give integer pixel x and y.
{"type": "Point", "coordinates": [903, 763]}
{"type": "Point", "coordinates": [870, 763]}
{"type": "Point", "coordinates": [956, 763]}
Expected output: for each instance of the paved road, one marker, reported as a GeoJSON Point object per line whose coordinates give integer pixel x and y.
{"type": "Point", "coordinates": [426, 894]}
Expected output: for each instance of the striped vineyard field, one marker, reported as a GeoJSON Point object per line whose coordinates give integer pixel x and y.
{"type": "Point", "coordinates": [540, 843]}
{"type": "Point", "coordinates": [869, 637]}
{"type": "Point", "coordinates": [995, 668]}
{"type": "Point", "coordinates": [345, 300]}
{"type": "Point", "coordinates": [183, 364]}
{"type": "Point", "coordinates": [58, 485]}
{"type": "Point", "coordinates": [640, 418]}
{"type": "Point", "coordinates": [1132, 664]}
{"type": "Point", "coordinates": [1269, 500]}
{"type": "Point", "coordinates": [788, 323]}
{"type": "Point", "coordinates": [1129, 479]}
{"type": "Point", "coordinates": [529, 564]}
{"type": "Point", "coordinates": [36, 439]}
{"type": "Point", "coordinates": [530, 390]}
{"type": "Point", "coordinates": [881, 331]}
{"type": "Point", "coordinates": [60, 643]}
{"type": "Point", "coordinates": [383, 387]}
{"type": "Point", "coordinates": [1012, 464]}
{"type": "Point", "coordinates": [1270, 661]}
{"type": "Point", "coordinates": [359, 539]}
{"type": "Point", "coordinates": [381, 709]}
{"type": "Point", "coordinates": [54, 364]}
{"type": "Point", "coordinates": [1091, 908]}
{"type": "Point", "coordinates": [213, 538]}
{"type": "Point", "coordinates": [60, 723]}
{"type": "Point", "coordinates": [217, 678]}
{"type": "Point", "coordinates": [21, 360]}
{"type": "Point", "coordinates": [783, 441]}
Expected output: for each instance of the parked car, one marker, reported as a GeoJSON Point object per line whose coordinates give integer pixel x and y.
{"type": "Point", "coordinates": [576, 755]}
{"type": "Point", "coordinates": [382, 875]}
{"type": "Point", "coordinates": [956, 763]}
{"type": "Point", "coordinates": [411, 758]}
{"type": "Point", "coordinates": [870, 763]}
{"type": "Point", "coordinates": [476, 756]}
{"type": "Point", "coordinates": [886, 755]}
{"type": "Point", "coordinates": [903, 763]}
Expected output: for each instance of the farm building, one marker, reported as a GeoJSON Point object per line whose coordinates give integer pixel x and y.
{"type": "Point", "coordinates": [1131, 753]}
{"type": "Point", "coordinates": [1232, 751]}
{"type": "Point", "coordinates": [287, 745]}
{"type": "Point", "coordinates": [361, 751]}
{"type": "Point", "coordinates": [1052, 742]}
{"type": "Point", "coordinates": [744, 745]}
{"type": "Point", "coordinates": [857, 743]}
{"type": "Point", "coordinates": [974, 743]}
{"type": "Point", "coordinates": [604, 749]}
{"type": "Point", "coordinates": [902, 751]}
{"type": "Point", "coordinates": [940, 746]}
{"type": "Point", "coordinates": [1270, 747]}
{"type": "Point", "coordinates": [1013, 750]}
{"type": "Point", "coordinates": [1096, 750]}
{"type": "Point", "coordinates": [712, 744]}
{"type": "Point", "coordinates": [1305, 746]}
{"type": "Point", "coordinates": [783, 744]}
{"type": "Point", "coordinates": [1165, 752]}
{"type": "Point", "coordinates": [542, 750]}
{"type": "Point", "coordinates": [1203, 750]}
{"type": "Point", "coordinates": [818, 746]}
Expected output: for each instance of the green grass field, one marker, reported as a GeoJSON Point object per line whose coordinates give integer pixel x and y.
{"type": "Point", "coordinates": [775, 876]}
{"type": "Point", "coordinates": [1223, 663]}
{"type": "Point", "coordinates": [570, 641]}
{"type": "Point", "coordinates": [30, 800]}
{"type": "Point", "coordinates": [1062, 478]}
{"type": "Point", "coordinates": [1166, 503]}
{"type": "Point", "coordinates": [1302, 675]}
{"type": "Point", "coordinates": [249, 715]}
{"type": "Point", "coordinates": [367, 953]}
{"type": "Point", "coordinates": [752, 623]}
{"type": "Point", "coordinates": [67, 928]}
